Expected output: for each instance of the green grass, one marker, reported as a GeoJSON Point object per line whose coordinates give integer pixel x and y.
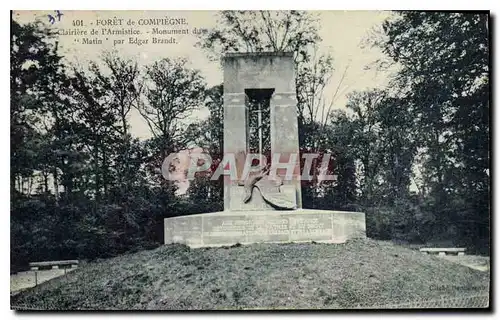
{"type": "Point", "coordinates": [261, 276]}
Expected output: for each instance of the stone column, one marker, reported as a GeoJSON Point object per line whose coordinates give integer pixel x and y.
{"type": "Point", "coordinates": [285, 139]}
{"type": "Point", "coordinates": [235, 136]}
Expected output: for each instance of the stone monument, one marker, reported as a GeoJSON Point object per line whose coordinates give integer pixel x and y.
{"type": "Point", "coordinates": [263, 203]}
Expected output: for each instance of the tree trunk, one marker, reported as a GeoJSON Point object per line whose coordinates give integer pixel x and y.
{"type": "Point", "coordinates": [56, 183]}
{"type": "Point", "coordinates": [45, 182]}
{"type": "Point", "coordinates": [97, 175]}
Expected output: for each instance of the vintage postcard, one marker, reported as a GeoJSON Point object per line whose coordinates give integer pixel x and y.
{"type": "Point", "coordinates": [249, 160]}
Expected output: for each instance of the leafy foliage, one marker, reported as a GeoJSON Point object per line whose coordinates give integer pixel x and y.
{"type": "Point", "coordinates": [82, 186]}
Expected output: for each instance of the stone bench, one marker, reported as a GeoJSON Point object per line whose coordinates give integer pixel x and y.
{"type": "Point", "coordinates": [444, 251]}
{"type": "Point", "coordinates": [53, 264]}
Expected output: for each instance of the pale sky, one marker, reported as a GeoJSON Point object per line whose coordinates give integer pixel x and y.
{"type": "Point", "coordinates": [341, 31]}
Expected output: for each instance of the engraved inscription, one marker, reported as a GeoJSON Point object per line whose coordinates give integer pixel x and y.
{"type": "Point", "coordinates": [237, 226]}
{"type": "Point", "coordinates": [228, 229]}
{"type": "Point", "coordinates": [313, 227]}
{"type": "Point", "coordinates": [231, 229]}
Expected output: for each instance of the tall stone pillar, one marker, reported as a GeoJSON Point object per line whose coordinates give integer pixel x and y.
{"type": "Point", "coordinates": [285, 139]}
{"type": "Point", "coordinates": [235, 135]}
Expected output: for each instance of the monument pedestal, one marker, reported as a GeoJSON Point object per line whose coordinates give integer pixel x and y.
{"type": "Point", "coordinates": [230, 227]}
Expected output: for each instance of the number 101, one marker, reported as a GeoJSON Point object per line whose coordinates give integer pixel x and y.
{"type": "Point", "coordinates": [77, 23]}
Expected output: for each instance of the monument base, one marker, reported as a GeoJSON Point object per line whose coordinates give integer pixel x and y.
{"type": "Point", "coordinates": [245, 227]}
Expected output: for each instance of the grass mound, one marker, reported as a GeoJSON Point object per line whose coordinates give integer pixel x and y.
{"type": "Point", "coordinates": [364, 273]}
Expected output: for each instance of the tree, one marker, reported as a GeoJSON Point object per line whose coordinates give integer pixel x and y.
{"type": "Point", "coordinates": [258, 31]}
{"type": "Point", "coordinates": [82, 187]}
{"type": "Point", "coordinates": [443, 79]}
{"type": "Point", "coordinates": [208, 135]}
{"type": "Point", "coordinates": [36, 75]}
{"type": "Point", "coordinates": [96, 128]}
{"type": "Point", "coordinates": [123, 86]}
{"type": "Point", "coordinates": [173, 93]}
